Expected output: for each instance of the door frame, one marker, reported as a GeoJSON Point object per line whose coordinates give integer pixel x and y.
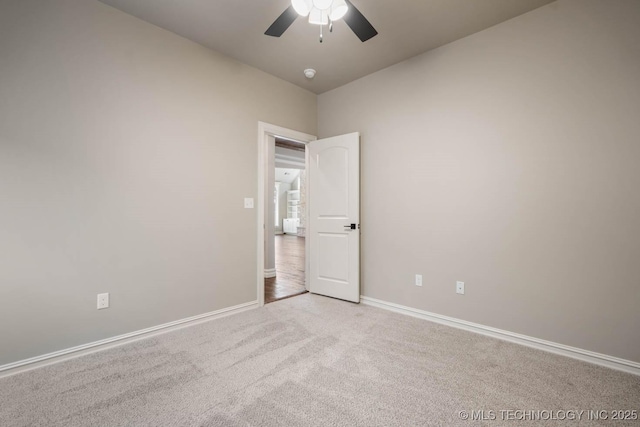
{"type": "Point", "coordinates": [266, 133]}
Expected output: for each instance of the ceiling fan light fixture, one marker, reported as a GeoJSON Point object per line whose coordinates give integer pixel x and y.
{"type": "Point", "coordinates": [339, 8]}
{"type": "Point", "coordinates": [321, 13]}
{"type": "Point", "coordinates": [303, 7]}
{"type": "Point", "coordinates": [322, 4]}
{"type": "Point", "coordinates": [318, 17]}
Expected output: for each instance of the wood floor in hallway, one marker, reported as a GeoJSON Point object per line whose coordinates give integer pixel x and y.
{"type": "Point", "coordinates": [290, 260]}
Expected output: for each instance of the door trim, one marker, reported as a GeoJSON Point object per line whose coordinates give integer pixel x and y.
{"type": "Point", "coordinates": [265, 132]}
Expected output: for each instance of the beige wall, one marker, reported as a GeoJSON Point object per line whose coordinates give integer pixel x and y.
{"type": "Point", "coordinates": [518, 149]}
{"type": "Point", "coordinates": [117, 140]}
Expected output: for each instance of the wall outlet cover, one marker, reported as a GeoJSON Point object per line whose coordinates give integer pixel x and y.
{"type": "Point", "coordinates": [418, 279]}
{"type": "Point", "coordinates": [103, 301]}
{"type": "Point", "coordinates": [460, 288]}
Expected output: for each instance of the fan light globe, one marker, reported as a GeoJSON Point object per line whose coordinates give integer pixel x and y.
{"type": "Point", "coordinates": [303, 7]}
{"type": "Point", "coordinates": [339, 8]}
{"type": "Point", "coordinates": [322, 4]}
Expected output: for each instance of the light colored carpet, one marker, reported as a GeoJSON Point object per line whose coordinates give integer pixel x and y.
{"type": "Point", "coordinates": [312, 361]}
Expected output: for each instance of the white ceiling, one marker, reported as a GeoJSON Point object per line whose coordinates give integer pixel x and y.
{"type": "Point", "coordinates": [406, 28]}
{"type": "Point", "coordinates": [286, 175]}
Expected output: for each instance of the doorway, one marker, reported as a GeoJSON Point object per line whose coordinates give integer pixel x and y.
{"type": "Point", "coordinates": [292, 247]}
{"type": "Point", "coordinates": [332, 243]}
{"type": "Point", "coordinates": [288, 277]}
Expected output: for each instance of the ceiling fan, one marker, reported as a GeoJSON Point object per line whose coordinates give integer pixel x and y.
{"type": "Point", "coordinates": [324, 12]}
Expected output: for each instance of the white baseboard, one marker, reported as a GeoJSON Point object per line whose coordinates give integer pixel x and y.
{"type": "Point", "coordinates": [564, 350]}
{"type": "Point", "coordinates": [269, 273]}
{"type": "Point", "coordinates": [81, 350]}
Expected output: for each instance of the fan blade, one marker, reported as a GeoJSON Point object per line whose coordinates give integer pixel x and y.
{"type": "Point", "coordinates": [283, 22]}
{"type": "Point", "coordinates": [358, 23]}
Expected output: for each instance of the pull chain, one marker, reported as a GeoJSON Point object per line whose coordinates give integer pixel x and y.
{"type": "Point", "coordinates": [330, 30]}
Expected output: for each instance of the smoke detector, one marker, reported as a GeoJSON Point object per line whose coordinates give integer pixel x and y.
{"type": "Point", "coordinates": [309, 73]}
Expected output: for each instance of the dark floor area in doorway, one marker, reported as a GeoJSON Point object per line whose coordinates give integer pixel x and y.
{"type": "Point", "coordinates": [290, 260]}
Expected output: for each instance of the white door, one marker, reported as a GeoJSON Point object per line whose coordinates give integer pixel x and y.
{"type": "Point", "coordinates": [334, 216]}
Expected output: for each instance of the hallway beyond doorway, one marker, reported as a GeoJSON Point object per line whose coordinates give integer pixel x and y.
{"type": "Point", "coordinates": [290, 259]}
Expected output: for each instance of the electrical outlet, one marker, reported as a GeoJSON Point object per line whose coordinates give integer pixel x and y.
{"type": "Point", "coordinates": [460, 288]}
{"type": "Point", "coordinates": [418, 279]}
{"type": "Point", "coordinates": [248, 203]}
{"type": "Point", "coordinates": [103, 301]}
